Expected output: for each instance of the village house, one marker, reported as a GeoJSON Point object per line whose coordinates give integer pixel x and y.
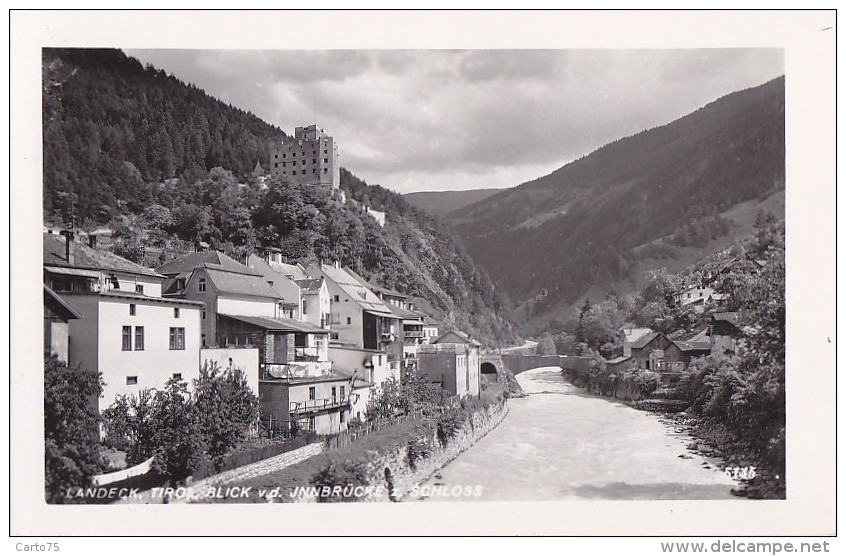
{"type": "Point", "coordinates": [125, 328]}
{"type": "Point", "coordinates": [365, 342]}
{"type": "Point", "coordinates": [725, 329]}
{"type": "Point", "coordinates": [248, 313]}
{"type": "Point", "coordinates": [453, 362]}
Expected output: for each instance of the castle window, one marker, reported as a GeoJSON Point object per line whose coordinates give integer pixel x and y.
{"type": "Point", "coordinates": [325, 170]}
{"type": "Point", "coordinates": [294, 163]}
{"type": "Point", "coordinates": [325, 151]}
{"type": "Point", "coordinates": [284, 164]}
{"type": "Point", "coordinates": [283, 155]}
{"type": "Point", "coordinates": [277, 156]}
{"type": "Point", "coordinates": [314, 161]}
{"type": "Point", "coordinates": [276, 165]}
{"type": "Point", "coordinates": [325, 160]}
{"type": "Point", "coordinates": [303, 172]}
{"type": "Point", "coordinates": [313, 171]}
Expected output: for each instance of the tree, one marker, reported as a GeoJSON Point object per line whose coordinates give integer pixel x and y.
{"type": "Point", "coordinates": [177, 436]}
{"type": "Point", "coordinates": [399, 397]}
{"type": "Point", "coordinates": [225, 406]}
{"type": "Point", "coordinates": [546, 345]}
{"type": "Point", "coordinates": [71, 436]}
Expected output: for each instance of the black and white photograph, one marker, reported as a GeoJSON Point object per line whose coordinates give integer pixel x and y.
{"type": "Point", "coordinates": [400, 271]}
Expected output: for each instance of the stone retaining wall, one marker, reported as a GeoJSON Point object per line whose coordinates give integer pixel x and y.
{"type": "Point", "coordinates": [395, 475]}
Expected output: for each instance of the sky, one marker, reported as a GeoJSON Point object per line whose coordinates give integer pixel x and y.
{"type": "Point", "coordinates": [431, 120]}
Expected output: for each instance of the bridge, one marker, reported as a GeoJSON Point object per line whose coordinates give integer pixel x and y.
{"type": "Point", "coordinates": [494, 364]}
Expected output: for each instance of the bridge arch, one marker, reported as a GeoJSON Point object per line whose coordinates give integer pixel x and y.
{"type": "Point", "coordinates": [489, 372]}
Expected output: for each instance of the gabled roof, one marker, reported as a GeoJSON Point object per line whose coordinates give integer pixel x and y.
{"type": "Point", "coordinates": [457, 334]}
{"type": "Point", "coordinates": [731, 317]}
{"type": "Point", "coordinates": [284, 287]}
{"type": "Point", "coordinates": [632, 334]}
{"type": "Point", "coordinates": [356, 291]}
{"type": "Point", "coordinates": [207, 259]}
{"type": "Point", "coordinates": [617, 360]}
{"type": "Point", "coordinates": [645, 339]}
{"type": "Point", "coordinates": [376, 288]}
{"type": "Point", "coordinates": [310, 286]}
{"type": "Point", "coordinates": [292, 271]}
{"type": "Point", "coordinates": [241, 284]}
{"type": "Point", "coordinates": [427, 320]}
{"type": "Point", "coordinates": [86, 257]}
{"type": "Point", "coordinates": [407, 314]}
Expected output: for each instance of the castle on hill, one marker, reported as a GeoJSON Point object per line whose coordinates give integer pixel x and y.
{"type": "Point", "coordinates": [311, 157]}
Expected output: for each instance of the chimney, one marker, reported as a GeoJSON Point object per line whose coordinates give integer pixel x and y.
{"type": "Point", "coordinates": [68, 245]}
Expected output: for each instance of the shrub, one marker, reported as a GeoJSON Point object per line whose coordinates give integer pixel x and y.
{"type": "Point", "coordinates": [646, 381]}
{"type": "Point", "coordinates": [449, 423]}
{"type": "Point", "coordinates": [71, 436]}
{"type": "Point", "coordinates": [418, 449]}
{"type": "Point", "coordinates": [342, 473]}
{"type": "Point", "coordinates": [177, 433]}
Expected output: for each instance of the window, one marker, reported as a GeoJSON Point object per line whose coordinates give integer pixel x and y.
{"type": "Point", "coordinates": [303, 172]}
{"type": "Point", "coordinates": [276, 165]}
{"type": "Point", "coordinates": [132, 309]}
{"type": "Point", "coordinates": [204, 314]}
{"type": "Point", "coordinates": [131, 380]}
{"type": "Point", "coordinates": [177, 338]}
{"type": "Point", "coordinates": [325, 151]}
{"type": "Point", "coordinates": [314, 170]}
{"type": "Point", "coordinates": [139, 288]}
{"type": "Point", "coordinates": [349, 320]}
{"type": "Point", "coordinates": [176, 312]}
{"type": "Point", "coordinates": [312, 393]}
{"type": "Point", "coordinates": [127, 338]}
{"type": "Point", "coordinates": [314, 161]}
{"type": "Point", "coordinates": [325, 170]}
{"type": "Point", "coordinates": [334, 336]}
{"type": "Point", "coordinates": [304, 307]}
{"type": "Point", "coordinates": [343, 392]}
{"type": "Point", "coordinates": [139, 338]}
{"type": "Point", "coordinates": [277, 155]}
{"type": "Point", "coordinates": [294, 163]}
{"type": "Point", "coordinates": [283, 155]}
{"type": "Point", "coordinates": [203, 339]}
{"type": "Point", "coordinates": [314, 152]}
{"type": "Point", "coordinates": [334, 394]}
{"type": "Point", "coordinates": [337, 298]}
{"type": "Point", "coordinates": [325, 160]}
{"type": "Point", "coordinates": [177, 376]}
{"type": "Point", "coordinates": [342, 413]}
{"type": "Point", "coordinates": [201, 285]}
{"type": "Point", "coordinates": [284, 164]}
{"type": "Point", "coordinates": [311, 423]}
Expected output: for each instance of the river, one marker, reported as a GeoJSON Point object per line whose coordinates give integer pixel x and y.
{"type": "Point", "coordinates": [560, 443]}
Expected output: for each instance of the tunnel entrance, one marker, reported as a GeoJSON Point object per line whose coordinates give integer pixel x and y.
{"type": "Point", "coordinates": [489, 373]}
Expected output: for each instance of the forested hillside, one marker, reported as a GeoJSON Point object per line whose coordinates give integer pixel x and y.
{"type": "Point", "coordinates": [560, 234]}
{"type": "Point", "coordinates": [441, 203]}
{"type": "Point", "coordinates": [168, 168]}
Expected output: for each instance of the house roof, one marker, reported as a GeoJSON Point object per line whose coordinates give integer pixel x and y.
{"type": "Point", "coordinates": [86, 257]}
{"type": "Point", "coordinates": [241, 284]}
{"type": "Point", "coordinates": [732, 317]}
{"type": "Point", "coordinates": [206, 259]}
{"type": "Point", "coordinates": [285, 288]}
{"type": "Point", "coordinates": [310, 286]}
{"type": "Point", "coordinates": [464, 338]}
{"type": "Point", "coordinates": [617, 360]}
{"type": "Point", "coordinates": [59, 306]}
{"type": "Point", "coordinates": [632, 334]}
{"type": "Point", "coordinates": [645, 339]}
{"type": "Point", "coordinates": [376, 288]}
{"type": "Point", "coordinates": [292, 271]}
{"type": "Point", "coordinates": [430, 321]}
{"type": "Point", "coordinates": [356, 291]}
{"type": "Point", "coordinates": [273, 324]}
{"type": "Point", "coordinates": [407, 314]}
{"type": "Point", "coordinates": [692, 346]}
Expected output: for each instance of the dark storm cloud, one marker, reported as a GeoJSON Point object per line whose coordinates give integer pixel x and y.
{"type": "Point", "coordinates": [432, 119]}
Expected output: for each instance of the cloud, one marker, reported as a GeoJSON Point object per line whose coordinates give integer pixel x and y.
{"type": "Point", "coordinates": [458, 119]}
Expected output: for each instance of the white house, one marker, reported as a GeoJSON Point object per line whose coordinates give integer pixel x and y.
{"type": "Point", "coordinates": [126, 330]}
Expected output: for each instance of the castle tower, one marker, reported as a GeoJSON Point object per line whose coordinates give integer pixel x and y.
{"type": "Point", "coordinates": [311, 157]}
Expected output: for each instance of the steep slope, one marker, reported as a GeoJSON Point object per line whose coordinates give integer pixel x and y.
{"type": "Point", "coordinates": [574, 228]}
{"type": "Point", "coordinates": [441, 203]}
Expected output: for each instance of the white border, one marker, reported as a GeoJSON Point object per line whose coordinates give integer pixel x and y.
{"type": "Point", "coordinates": [810, 92]}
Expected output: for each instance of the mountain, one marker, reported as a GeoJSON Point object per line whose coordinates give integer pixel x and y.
{"type": "Point", "coordinates": [441, 203]}
{"type": "Point", "coordinates": [552, 239]}
{"type": "Point", "coordinates": [169, 168]}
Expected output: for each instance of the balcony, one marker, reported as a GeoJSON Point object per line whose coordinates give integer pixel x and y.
{"type": "Point", "coordinates": [295, 370]}
{"type": "Point", "coordinates": [314, 406]}
{"type": "Point", "coordinates": [307, 354]}
{"type": "Point", "coordinates": [413, 333]}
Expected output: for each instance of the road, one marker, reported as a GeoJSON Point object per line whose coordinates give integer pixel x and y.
{"type": "Point", "coordinates": [560, 443]}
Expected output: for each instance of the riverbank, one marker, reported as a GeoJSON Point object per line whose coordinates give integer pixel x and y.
{"type": "Point", "coordinates": [707, 440]}
{"type": "Point", "coordinates": [560, 443]}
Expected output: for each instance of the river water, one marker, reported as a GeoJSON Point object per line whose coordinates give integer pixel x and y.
{"type": "Point", "coordinates": [560, 443]}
